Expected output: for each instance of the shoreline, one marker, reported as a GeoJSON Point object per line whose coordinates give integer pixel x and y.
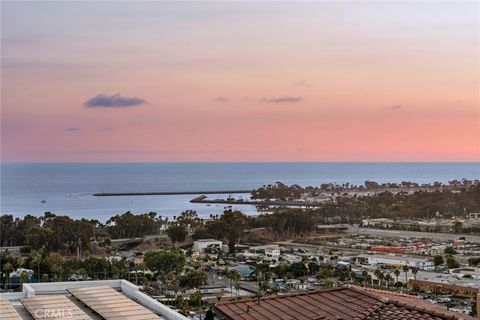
{"type": "Point", "coordinates": [203, 199]}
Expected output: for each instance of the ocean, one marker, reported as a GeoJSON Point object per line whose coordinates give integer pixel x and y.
{"type": "Point", "coordinates": [68, 188]}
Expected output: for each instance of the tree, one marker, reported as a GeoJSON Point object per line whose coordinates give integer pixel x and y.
{"type": "Point", "coordinates": [364, 276]}
{"type": "Point", "coordinates": [8, 263]}
{"type": "Point", "coordinates": [396, 273]}
{"type": "Point", "coordinates": [55, 263]}
{"type": "Point", "coordinates": [414, 272]}
{"type": "Point", "coordinates": [313, 268]}
{"type": "Point", "coordinates": [234, 222]}
{"type": "Point", "coordinates": [298, 269]}
{"type": "Point", "coordinates": [37, 259]}
{"type": "Point", "coordinates": [189, 218]}
{"type": "Point", "coordinates": [195, 300]}
{"type": "Point", "coordinates": [163, 262]}
{"type": "Point", "coordinates": [129, 225]}
{"type": "Point", "coordinates": [282, 269]}
{"type": "Point", "coordinates": [379, 274]}
{"type": "Point", "coordinates": [182, 305]}
{"type": "Point", "coordinates": [438, 260]}
{"type": "Point", "coordinates": [193, 279]}
{"type": "Point", "coordinates": [452, 263]}
{"type": "Point", "coordinates": [388, 279]}
{"type": "Point", "coordinates": [450, 250]}
{"type": "Point", "coordinates": [236, 281]}
{"type": "Point", "coordinates": [325, 273]}
{"type": "Point", "coordinates": [7, 269]}
{"type": "Point", "coordinates": [24, 277]}
{"type": "Point", "coordinates": [96, 266]}
{"type": "Point", "coordinates": [369, 279]}
{"type": "Point", "coordinates": [405, 269]}
{"type": "Point", "coordinates": [177, 233]}
{"type": "Point", "coordinates": [232, 276]}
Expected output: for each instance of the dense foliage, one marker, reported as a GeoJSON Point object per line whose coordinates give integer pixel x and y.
{"type": "Point", "coordinates": [69, 236]}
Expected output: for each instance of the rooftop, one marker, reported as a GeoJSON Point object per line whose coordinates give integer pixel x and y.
{"type": "Point", "coordinates": [347, 303]}
{"type": "Point", "coordinates": [82, 300]}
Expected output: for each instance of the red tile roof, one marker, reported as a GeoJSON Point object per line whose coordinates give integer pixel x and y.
{"type": "Point", "coordinates": [346, 303]}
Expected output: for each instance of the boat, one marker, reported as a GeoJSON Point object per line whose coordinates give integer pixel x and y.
{"type": "Point", "coordinates": [43, 201]}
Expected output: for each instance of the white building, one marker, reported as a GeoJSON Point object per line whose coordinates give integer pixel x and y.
{"type": "Point", "coordinates": [272, 252]}
{"type": "Point", "coordinates": [201, 244]}
{"type": "Point", "coordinates": [292, 258]}
{"type": "Point", "coordinates": [394, 260]}
{"type": "Point", "coordinates": [100, 299]}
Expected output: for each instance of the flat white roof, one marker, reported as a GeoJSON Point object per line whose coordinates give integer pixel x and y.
{"type": "Point", "coordinates": [47, 294]}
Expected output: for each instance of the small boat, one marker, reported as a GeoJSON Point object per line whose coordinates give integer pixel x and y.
{"type": "Point", "coordinates": [43, 201]}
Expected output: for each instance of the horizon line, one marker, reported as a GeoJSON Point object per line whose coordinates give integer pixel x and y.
{"type": "Point", "coordinates": [238, 162]}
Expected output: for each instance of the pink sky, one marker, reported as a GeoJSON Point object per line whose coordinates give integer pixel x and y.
{"type": "Point", "coordinates": [324, 81]}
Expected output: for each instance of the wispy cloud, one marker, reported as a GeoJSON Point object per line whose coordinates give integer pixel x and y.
{"type": "Point", "coordinates": [221, 99]}
{"type": "Point", "coordinates": [302, 83]}
{"type": "Point", "coordinates": [396, 107]}
{"type": "Point", "coordinates": [114, 101]}
{"type": "Point", "coordinates": [72, 129]}
{"type": "Point", "coordinates": [285, 99]}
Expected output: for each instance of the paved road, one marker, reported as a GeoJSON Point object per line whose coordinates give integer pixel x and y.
{"type": "Point", "coordinates": [413, 234]}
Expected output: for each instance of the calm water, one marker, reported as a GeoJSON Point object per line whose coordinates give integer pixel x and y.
{"type": "Point", "coordinates": [68, 188]}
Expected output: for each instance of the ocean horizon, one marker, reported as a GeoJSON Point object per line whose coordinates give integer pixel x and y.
{"type": "Point", "coordinates": [68, 188]}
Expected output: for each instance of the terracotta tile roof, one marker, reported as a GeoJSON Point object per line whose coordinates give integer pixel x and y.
{"type": "Point", "coordinates": [344, 303]}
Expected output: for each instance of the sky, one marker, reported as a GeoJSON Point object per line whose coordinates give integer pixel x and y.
{"type": "Point", "coordinates": [240, 81]}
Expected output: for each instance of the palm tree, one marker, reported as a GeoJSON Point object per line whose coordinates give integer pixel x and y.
{"type": "Point", "coordinates": [379, 274]}
{"type": "Point", "coordinates": [143, 268]}
{"type": "Point", "coordinates": [7, 269]}
{"type": "Point", "coordinates": [369, 279]}
{"type": "Point", "coordinates": [405, 269]}
{"type": "Point", "coordinates": [230, 275]}
{"type": "Point", "coordinates": [37, 261]}
{"type": "Point", "coordinates": [236, 279]}
{"type": "Point", "coordinates": [414, 272]}
{"type": "Point", "coordinates": [396, 273]}
{"type": "Point", "coordinates": [353, 276]}
{"type": "Point", "coordinates": [364, 276]}
{"type": "Point", "coordinates": [388, 279]}
{"type": "Point", "coordinates": [23, 277]}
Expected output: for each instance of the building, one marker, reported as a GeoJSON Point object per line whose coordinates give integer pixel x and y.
{"type": "Point", "coordinates": [202, 244]}
{"type": "Point", "coordinates": [103, 299]}
{"type": "Point", "coordinates": [396, 261]}
{"type": "Point", "coordinates": [272, 252]}
{"type": "Point", "coordinates": [347, 303]}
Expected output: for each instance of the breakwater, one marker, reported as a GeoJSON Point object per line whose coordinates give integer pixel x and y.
{"type": "Point", "coordinates": [170, 193]}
